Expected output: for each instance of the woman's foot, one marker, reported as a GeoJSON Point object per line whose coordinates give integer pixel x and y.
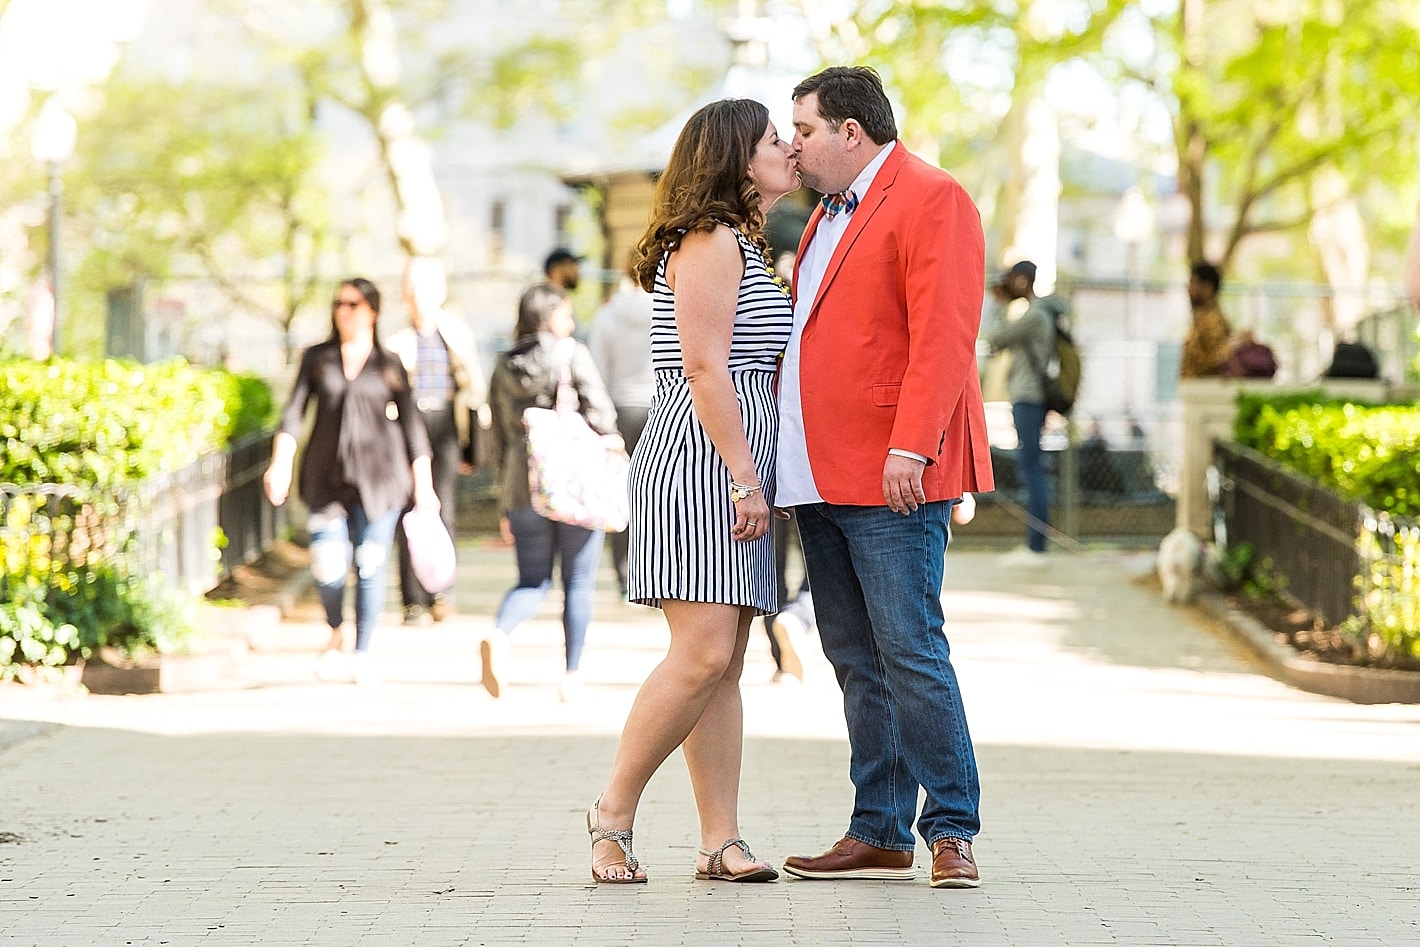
{"type": "Point", "coordinates": [494, 651]}
{"type": "Point", "coordinates": [331, 665]}
{"type": "Point", "coordinates": [732, 861]}
{"type": "Point", "coordinates": [613, 862]}
{"type": "Point", "coordinates": [571, 687]}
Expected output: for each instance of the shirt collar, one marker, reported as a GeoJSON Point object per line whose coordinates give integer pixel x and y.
{"type": "Point", "coordinates": [865, 178]}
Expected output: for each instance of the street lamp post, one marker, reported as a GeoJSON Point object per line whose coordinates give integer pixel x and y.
{"type": "Point", "coordinates": [54, 135]}
{"type": "Point", "coordinates": [1133, 221]}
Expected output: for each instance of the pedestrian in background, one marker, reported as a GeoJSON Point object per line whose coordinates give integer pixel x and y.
{"type": "Point", "coordinates": [440, 355]}
{"type": "Point", "coordinates": [1031, 341]}
{"type": "Point", "coordinates": [526, 376]}
{"type": "Point", "coordinates": [883, 432]}
{"type": "Point", "coordinates": [788, 628]}
{"type": "Point", "coordinates": [620, 343]}
{"type": "Point", "coordinates": [702, 478]}
{"type": "Point", "coordinates": [367, 451]}
{"type": "Point", "coordinates": [563, 269]}
{"type": "Point", "coordinates": [1209, 341]}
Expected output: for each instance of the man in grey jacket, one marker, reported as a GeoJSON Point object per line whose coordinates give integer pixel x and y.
{"type": "Point", "coordinates": [1031, 341]}
{"type": "Point", "coordinates": [440, 355]}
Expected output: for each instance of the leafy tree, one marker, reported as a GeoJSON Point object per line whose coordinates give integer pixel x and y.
{"type": "Point", "coordinates": [222, 186]}
{"type": "Point", "coordinates": [967, 75]}
{"type": "Point", "coordinates": [1272, 98]}
{"type": "Point", "coordinates": [384, 61]}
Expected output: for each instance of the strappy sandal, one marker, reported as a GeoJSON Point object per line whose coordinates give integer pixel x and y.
{"type": "Point", "coordinates": [715, 870]}
{"type": "Point", "coordinates": [621, 837]}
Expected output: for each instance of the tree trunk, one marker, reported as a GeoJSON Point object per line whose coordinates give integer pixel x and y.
{"type": "Point", "coordinates": [420, 225]}
{"type": "Point", "coordinates": [1339, 235]}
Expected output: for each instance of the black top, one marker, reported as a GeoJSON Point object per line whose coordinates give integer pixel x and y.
{"type": "Point", "coordinates": [366, 431]}
{"type": "Point", "coordinates": [524, 377]}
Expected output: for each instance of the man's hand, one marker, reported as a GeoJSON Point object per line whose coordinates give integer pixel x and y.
{"type": "Point", "coordinates": [902, 484]}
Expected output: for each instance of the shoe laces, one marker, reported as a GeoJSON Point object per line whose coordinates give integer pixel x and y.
{"type": "Point", "coordinates": [961, 846]}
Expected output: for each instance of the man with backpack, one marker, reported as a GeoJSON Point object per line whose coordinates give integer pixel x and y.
{"type": "Point", "coordinates": [1031, 340]}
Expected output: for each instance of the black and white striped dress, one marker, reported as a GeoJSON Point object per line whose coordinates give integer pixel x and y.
{"type": "Point", "coordinates": [681, 511]}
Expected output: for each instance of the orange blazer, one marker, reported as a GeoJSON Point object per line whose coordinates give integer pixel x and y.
{"type": "Point", "coordinates": [888, 357]}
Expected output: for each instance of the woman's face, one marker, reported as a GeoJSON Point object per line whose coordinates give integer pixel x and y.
{"type": "Point", "coordinates": [772, 167]}
{"type": "Point", "coordinates": [353, 315]}
{"type": "Point", "coordinates": [561, 323]}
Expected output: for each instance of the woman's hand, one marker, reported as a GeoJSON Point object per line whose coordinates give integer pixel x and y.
{"type": "Point", "coordinates": [425, 499]}
{"type": "Point", "coordinates": [277, 481]}
{"type": "Point", "coordinates": [751, 518]}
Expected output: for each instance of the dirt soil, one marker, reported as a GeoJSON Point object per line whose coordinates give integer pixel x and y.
{"type": "Point", "coordinates": [1306, 632]}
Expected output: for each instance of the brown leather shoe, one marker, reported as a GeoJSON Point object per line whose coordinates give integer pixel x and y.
{"type": "Point", "coordinates": [850, 858]}
{"type": "Point", "coordinates": [952, 864]}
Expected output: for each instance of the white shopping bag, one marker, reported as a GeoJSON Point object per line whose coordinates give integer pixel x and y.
{"type": "Point", "coordinates": [431, 550]}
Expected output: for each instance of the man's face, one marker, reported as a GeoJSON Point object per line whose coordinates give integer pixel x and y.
{"type": "Point", "coordinates": [567, 274]}
{"type": "Point", "coordinates": [1199, 292]}
{"type": "Point", "coordinates": [819, 150]}
{"type": "Point", "coordinates": [411, 304]}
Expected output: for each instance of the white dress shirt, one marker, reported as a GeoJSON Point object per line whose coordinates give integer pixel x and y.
{"type": "Point", "coordinates": [795, 478]}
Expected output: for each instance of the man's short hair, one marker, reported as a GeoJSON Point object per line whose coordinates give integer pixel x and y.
{"type": "Point", "coordinates": [560, 255]}
{"type": "Point", "coordinates": [1024, 268]}
{"type": "Point", "coordinates": [1207, 273]}
{"type": "Point", "coordinates": [854, 92]}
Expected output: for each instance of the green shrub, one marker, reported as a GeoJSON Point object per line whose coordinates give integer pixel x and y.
{"type": "Point", "coordinates": [1369, 453]}
{"type": "Point", "coordinates": [1366, 452]}
{"type": "Point", "coordinates": [65, 588]}
{"type": "Point", "coordinates": [110, 423]}
{"type": "Point", "coordinates": [1389, 595]}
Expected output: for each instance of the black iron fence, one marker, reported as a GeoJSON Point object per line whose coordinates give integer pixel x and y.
{"type": "Point", "coordinates": [1307, 535]}
{"type": "Point", "coordinates": [1099, 492]}
{"type": "Point", "coordinates": [193, 525]}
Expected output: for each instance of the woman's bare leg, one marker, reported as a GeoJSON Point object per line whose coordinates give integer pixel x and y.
{"type": "Point", "coordinates": [704, 640]}
{"type": "Point", "coordinates": [713, 753]}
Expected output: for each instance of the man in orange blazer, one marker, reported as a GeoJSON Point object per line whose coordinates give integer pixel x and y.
{"type": "Point", "coordinates": [881, 432]}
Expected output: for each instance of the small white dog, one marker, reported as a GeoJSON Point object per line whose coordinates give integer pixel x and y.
{"type": "Point", "coordinates": [1180, 563]}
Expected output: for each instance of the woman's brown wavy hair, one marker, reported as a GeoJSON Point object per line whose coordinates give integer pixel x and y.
{"type": "Point", "coordinates": [706, 181]}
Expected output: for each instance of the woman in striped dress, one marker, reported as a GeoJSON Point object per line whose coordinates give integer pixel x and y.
{"type": "Point", "coordinates": [701, 487]}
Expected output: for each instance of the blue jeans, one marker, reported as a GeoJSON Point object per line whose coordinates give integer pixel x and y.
{"type": "Point", "coordinates": [1030, 469]}
{"type": "Point", "coordinates": [877, 581]}
{"type": "Point", "coordinates": [539, 542]}
{"type": "Point", "coordinates": [338, 540]}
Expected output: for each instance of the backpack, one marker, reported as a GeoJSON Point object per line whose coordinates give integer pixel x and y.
{"type": "Point", "coordinates": [1063, 387]}
{"type": "Point", "coordinates": [1353, 360]}
{"type": "Point", "coordinates": [1060, 379]}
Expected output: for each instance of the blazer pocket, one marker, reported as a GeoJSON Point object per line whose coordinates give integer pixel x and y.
{"type": "Point", "coordinates": [885, 396]}
{"type": "Point", "coordinates": [876, 257]}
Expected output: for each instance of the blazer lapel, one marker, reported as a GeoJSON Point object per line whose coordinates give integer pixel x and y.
{"type": "Point", "coordinates": [804, 240]}
{"type": "Point", "coordinates": [867, 206]}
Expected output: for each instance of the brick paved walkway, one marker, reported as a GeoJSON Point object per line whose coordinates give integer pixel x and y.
{"type": "Point", "coordinates": [1142, 785]}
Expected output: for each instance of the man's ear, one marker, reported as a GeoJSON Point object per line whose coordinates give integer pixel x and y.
{"type": "Point", "coordinates": [854, 132]}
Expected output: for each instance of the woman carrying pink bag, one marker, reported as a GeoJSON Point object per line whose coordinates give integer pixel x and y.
{"type": "Point", "coordinates": [527, 376]}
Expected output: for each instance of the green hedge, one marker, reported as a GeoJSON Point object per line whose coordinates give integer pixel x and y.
{"type": "Point", "coordinates": [100, 427]}
{"type": "Point", "coordinates": [1366, 452]}
{"type": "Point", "coordinates": [102, 424]}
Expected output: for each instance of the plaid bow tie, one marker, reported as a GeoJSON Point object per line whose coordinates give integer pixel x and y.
{"type": "Point", "coordinates": [842, 202]}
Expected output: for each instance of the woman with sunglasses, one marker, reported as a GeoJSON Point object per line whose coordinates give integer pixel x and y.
{"type": "Point", "coordinates": [367, 450]}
